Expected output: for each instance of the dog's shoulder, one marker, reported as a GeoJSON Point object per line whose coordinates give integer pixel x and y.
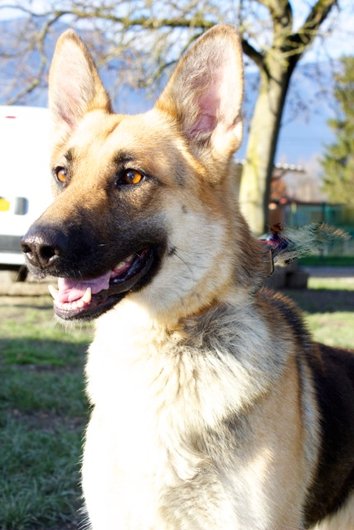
{"type": "Point", "coordinates": [326, 375]}
{"type": "Point", "coordinates": [333, 376]}
{"type": "Point", "coordinates": [281, 311]}
{"type": "Point", "coordinates": [330, 372]}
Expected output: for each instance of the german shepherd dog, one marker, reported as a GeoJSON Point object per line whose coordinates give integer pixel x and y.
{"type": "Point", "coordinates": [212, 409]}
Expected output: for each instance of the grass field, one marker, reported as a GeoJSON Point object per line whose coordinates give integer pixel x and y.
{"type": "Point", "coordinates": [43, 410]}
{"type": "Point", "coordinates": [329, 309]}
{"type": "Point", "coordinates": [42, 416]}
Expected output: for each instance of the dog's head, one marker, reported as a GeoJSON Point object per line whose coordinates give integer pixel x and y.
{"type": "Point", "coordinates": [145, 204]}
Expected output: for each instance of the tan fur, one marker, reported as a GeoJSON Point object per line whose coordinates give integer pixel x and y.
{"type": "Point", "coordinates": [191, 396]}
{"type": "Point", "coordinates": [205, 414]}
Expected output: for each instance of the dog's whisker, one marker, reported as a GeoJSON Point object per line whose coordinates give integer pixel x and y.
{"type": "Point", "coordinates": [175, 252]}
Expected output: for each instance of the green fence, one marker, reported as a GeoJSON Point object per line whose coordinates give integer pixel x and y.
{"type": "Point", "coordinates": [337, 215]}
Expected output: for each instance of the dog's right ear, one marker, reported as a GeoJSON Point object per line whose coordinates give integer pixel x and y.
{"type": "Point", "coordinates": [204, 94]}
{"type": "Point", "coordinates": [74, 84]}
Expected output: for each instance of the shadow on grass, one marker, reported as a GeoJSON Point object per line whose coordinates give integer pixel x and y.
{"type": "Point", "coordinates": [322, 300]}
{"type": "Point", "coordinates": [42, 352]}
{"type": "Point", "coordinates": [37, 307]}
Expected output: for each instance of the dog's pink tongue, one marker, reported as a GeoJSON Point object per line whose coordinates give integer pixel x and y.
{"type": "Point", "coordinates": [71, 290]}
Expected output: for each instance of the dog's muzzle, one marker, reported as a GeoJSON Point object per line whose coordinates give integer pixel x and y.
{"type": "Point", "coordinates": [90, 281]}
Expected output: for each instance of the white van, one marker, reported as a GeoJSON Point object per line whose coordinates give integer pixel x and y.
{"type": "Point", "coordinates": [24, 177]}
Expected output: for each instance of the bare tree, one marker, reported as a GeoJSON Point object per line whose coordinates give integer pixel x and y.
{"type": "Point", "coordinates": [276, 64]}
{"type": "Point", "coordinates": [155, 33]}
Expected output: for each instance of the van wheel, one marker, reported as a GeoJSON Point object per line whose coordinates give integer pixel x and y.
{"type": "Point", "coordinates": [22, 274]}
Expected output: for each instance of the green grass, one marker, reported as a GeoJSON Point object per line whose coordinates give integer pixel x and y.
{"type": "Point", "coordinates": [43, 410]}
{"type": "Point", "coordinates": [332, 284]}
{"type": "Point", "coordinates": [333, 329]}
{"type": "Point", "coordinates": [328, 306]}
{"type": "Point", "coordinates": [39, 475]}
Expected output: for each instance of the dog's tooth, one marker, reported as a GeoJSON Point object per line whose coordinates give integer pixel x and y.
{"type": "Point", "coordinates": [86, 299]}
{"type": "Point", "coordinates": [75, 304]}
{"type": "Point", "coordinates": [121, 266]}
{"type": "Point", "coordinates": [53, 291]}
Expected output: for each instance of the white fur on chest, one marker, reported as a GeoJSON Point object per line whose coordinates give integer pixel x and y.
{"type": "Point", "coordinates": [153, 391]}
{"type": "Point", "coordinates": [145, 379]}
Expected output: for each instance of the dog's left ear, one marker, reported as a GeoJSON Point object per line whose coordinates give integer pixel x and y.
{"type": "Point", "coordinates": [204, 94]}
{"type": "Point", "coordinates": [74, 84]}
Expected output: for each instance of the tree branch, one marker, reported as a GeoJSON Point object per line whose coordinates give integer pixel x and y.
{"type": "Point", "coordinates": [292, 45]}
{"type": "Point", "coordinates": [281, 12]}
{"type": "Point", "coordinates": [303, 38]}
{"type": "Point", "coordinates": [196, 22]}
{"type": "Point", "coordinates": [252, 53]}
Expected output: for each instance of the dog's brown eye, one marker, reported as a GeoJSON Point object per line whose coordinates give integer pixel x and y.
{"type": "Point", "coordinates": [61, 174]}
{"type": "Point", "coordinates": [130, 177]}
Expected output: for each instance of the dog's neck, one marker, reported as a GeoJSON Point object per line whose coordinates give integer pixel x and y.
{"type": "Point", "coordinates": [137, 350]}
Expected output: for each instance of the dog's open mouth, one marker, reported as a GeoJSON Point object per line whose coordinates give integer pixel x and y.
{"type": "Point", "coordinates": [87, 299]}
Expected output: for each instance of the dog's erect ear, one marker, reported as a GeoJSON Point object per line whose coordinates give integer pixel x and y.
{"type": "Point", "coordinates": [205, 92]}
{"type": "Point", "coordinates": [74, 83]}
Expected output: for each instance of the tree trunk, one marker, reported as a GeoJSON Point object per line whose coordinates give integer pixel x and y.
{"type": "Point", "coordinates": [263, 136]}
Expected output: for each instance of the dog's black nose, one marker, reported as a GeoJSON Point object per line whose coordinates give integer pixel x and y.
{"type": "Point", "coordinates": [43, 246]}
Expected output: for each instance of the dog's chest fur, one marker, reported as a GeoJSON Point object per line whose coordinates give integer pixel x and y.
{"type": "Point", "coordinates": [168, 406]}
